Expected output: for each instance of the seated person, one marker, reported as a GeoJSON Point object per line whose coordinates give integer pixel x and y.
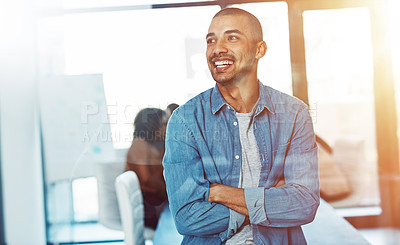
{"type": "Point", "coordinates": [144, 158]}
{"type": "Point", "coordinates": [171, 108]}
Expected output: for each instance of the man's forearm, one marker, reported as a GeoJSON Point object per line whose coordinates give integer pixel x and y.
{"type": "Point", "coordinates": [239, 209]}
{"type": "Point", "coordinates": [228, 196]}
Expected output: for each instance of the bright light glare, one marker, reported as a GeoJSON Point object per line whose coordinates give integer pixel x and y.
{"type": "Point", "coordinates": [155, 57]}
{"type": "Point", "coordinates": [394, 20]}
{"type": "Point", "coordinates": [148, 58]}
{"type": "Point", "coordinates": [340, 80]}
{"type": "Point", "coordinates": [85, 198]}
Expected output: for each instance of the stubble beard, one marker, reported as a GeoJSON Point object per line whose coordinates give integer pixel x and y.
{"type": "Point", "coordinates": [223, 79]}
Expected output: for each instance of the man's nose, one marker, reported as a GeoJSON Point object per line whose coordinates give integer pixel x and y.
{"type": "Point", "coordinates": [220, 47]}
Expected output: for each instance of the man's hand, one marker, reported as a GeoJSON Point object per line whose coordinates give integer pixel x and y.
{"type": "Point", "coordinates": [214, 190]}
{"type": "Point", "coordinates": [228, 196]}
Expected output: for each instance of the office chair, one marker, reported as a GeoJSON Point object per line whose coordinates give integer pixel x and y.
{"type": "Point", "coordinates": [131, 208]}
{"type": "Point", "coordinates": [109, 214]}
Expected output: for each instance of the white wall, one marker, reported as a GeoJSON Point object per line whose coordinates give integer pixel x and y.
{"type": "Point", "coordinates": [21, 161]}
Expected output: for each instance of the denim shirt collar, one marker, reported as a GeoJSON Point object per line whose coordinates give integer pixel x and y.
{"type": "Point", "coordinates": [264, 102]}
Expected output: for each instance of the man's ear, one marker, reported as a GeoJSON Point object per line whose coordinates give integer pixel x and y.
{"type": "Point", "coordinates": [261, 49]}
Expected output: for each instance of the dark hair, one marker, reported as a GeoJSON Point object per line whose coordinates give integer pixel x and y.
{"type": "Point", "coordinates": [258, 33]}
{"type": "Point", "coordinates": [171, 108]}
{"type": "Point", "coordinates": [148, 123]}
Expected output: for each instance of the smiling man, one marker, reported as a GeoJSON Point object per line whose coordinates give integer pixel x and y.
{"type": "Point", "coordinates": [241, 159]}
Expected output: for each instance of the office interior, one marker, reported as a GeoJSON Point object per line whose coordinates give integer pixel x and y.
{"type": "Point", "coordinates": [73, 75]}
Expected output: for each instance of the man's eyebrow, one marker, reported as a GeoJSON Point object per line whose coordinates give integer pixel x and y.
{"type": "Point", "coordinates": [210, 34]}
{"type": "Point", "coordinates": [234, 31]}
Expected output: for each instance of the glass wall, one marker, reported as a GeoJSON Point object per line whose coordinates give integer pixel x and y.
{"type": "Point", "coordinates": [162, 61]}
{"type": "Point", "coordinates": [148, 58]}
{"type": "Point", "coordinates": [340, 87]}
{"type": "Point", "coordinates": [117, 62]}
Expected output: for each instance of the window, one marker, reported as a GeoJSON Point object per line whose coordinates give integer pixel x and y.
{"type": "Point", "coordinates": [340, 85]}
{"type": "Point", "coordinates": [145, 58]}
{"type": "Point", "coordinates": [148, 58]}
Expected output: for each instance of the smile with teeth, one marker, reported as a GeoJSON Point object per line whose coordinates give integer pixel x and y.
{"type": "Point", "coordinates": [223, 63]}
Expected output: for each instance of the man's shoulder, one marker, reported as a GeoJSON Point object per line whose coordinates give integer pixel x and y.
{"type": "Point", "coordinates": [195, 105]}
{"type": "Point", "coordinates": [187, 116]}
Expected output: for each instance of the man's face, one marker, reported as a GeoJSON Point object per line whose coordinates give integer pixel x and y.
{"type": "Point", "coordinates": [231, 49]}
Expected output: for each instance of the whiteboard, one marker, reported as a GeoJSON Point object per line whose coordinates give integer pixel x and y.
{"type": "Point", "coordinates": [75, 126]}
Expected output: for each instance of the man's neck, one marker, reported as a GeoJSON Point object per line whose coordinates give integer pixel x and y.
{"type": "Point", "coordinates": [242, 97]}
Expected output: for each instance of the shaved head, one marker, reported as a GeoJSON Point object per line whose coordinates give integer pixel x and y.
{"type": "Point", "coordinates": [253, 21]}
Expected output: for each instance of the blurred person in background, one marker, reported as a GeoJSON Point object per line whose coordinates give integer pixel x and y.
{"type": "Point", "coordinates": [145, 159]}
{"type": "Point", "coordinates": [171, 108]}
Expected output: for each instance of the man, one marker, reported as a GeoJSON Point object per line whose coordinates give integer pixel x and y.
{"type": "Point", "coordinates": [228, 148]}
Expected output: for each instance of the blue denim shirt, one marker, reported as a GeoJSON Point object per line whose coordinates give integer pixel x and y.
{"type": "Point", "coordinates": [203, 147]}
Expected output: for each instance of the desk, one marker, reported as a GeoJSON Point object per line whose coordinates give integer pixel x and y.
{"type": "Point", "coordinates": [326, 229]}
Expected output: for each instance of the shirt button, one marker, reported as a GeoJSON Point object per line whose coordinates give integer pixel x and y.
{"type": "Point", "coordinates": [235, 123]}
{"type": "Point", "coordinates": [237, 156]}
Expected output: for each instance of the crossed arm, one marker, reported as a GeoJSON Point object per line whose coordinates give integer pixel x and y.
{"type": "Point", "coordinates": [201, 207]}
{"type": "Point", "coordinates": [228, 196]}
{"type": "Point", "coordinates": [231, 197]}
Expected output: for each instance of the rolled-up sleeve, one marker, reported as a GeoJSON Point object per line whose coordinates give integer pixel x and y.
{"type": "Point", "coordinates": [297, 201]}
{"type": "Point", "coordinates": [254, 198]}
{"type": "Point", "coordinates": [188, 188]}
